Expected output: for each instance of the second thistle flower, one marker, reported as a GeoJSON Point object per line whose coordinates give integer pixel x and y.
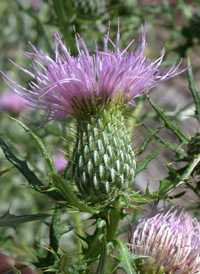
{"type": "Point", "coordinates": [171, 239]}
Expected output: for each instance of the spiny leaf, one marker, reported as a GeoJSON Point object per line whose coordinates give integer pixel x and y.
{"type": "Point", "coordinates": [95, 241]}
{"type": "Point", "coordinates": [13, 221]}
{"type": "Point", "coordinates": [175, 148]}
{"type": "Point", "coordinates": [57, 229]}
{"type": "Point", "coordinates": [40, 144]}
{"type": "Point", "coordinates": [2, 172]}
{"type": "Point", "coordinates": [21, 166]}
{"type": "Point", "coordinates": [195, 92]}
{"type": "Point", "coordinates": [174, 128]}
{"type": "Point", "coordinates": [146, 141]}
{"type": "Point", "coordinates": [144, 163]}
{"type": "Point", "coordinates": [30, 176]}
{"type": "Point", "coordinates": [126, 259]}
{"type": "Point", "coordinates": [50, 263]}
{"type": "Point", "coordinates": [176, 178]}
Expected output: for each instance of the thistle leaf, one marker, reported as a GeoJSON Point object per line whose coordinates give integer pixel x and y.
{"type": "Point", "coordinates": [57, 229]}
{"type": "Point", "coordinates": [21, 166]}
{"type": "Point", "coordinates": [195, 92]}
{"type": "Point", "coordinates": [174, 128]}
{"type": "Point", "coordinates": [126, 259]}
{"type": "Point", "coordinates": [2, 172]}
{"type": "Point", "coordinates": [176, 178]}
{"type": "Point", "coordinates": [39, 143]}
{"type": "Point", "coordinates": [144, 163]}
{"type": "Point", "coordinates": [179, 153]}
{"type": "Point", "coordinates": [30, 176]}
{"type": "Point", "coordinates": [13, 220]}
{"type": "Point", "coordinates": [142, 147]}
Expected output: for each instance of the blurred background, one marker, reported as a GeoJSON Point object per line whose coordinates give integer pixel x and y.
{"type": "Point", "coordinates": [172, 24]}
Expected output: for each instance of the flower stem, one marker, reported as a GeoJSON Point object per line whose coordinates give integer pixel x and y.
{"type": "Point", "coordinates": [78, 227]}
{"type": "Point", "coordinates": [107, 228]}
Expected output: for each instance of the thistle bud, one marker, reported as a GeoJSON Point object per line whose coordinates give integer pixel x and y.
{"type": "Point", "coordinates": [103, 160]}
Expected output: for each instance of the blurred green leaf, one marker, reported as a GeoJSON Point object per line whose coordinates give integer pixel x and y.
{"type": "Point", "coordinates": [174, 128]}
{"type": "Point", "coordinates": [13, 221]}
{"type": "Point", "coordinates": [195, 92]}
{"type": "Point", "coordinates": [13, 269]}
{"type": "Point", "coordinates": [2, 172]}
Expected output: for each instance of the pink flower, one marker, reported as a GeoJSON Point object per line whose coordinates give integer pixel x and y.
{"type": "Point", "coordinates": [87, 78]}
{"type": "Point", "coordinates": [172, 240]}
{"type": "Point", "coordinates": [13, 103]}
{"type": "Point", "coordinates": [60, 163]}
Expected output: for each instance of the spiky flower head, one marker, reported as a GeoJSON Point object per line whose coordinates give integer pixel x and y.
{"type": "Point", "coordinates": [89, 78]}
{"type": "Point", "coordinates": [95, 89]}
{"type": "Point", "coordinates": [171, 238]}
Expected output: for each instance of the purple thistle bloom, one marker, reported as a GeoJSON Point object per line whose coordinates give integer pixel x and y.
{"type": "Point", "coordinates": [172, 240]}
{"type": "Point", "coordinates": [60, 162]}
{"type": "Point", "coordinates": [105, 74]}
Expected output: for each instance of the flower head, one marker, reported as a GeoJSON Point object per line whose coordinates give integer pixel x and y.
{"type": "Point", "coordinates": [172, 240]}
{"type": "Point", "coordinates": [87, 78]}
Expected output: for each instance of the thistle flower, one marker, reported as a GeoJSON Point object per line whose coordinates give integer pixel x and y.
{"type": "Point", "coordinates": [103, 75]}
{"type": "Point", "coordinates": [172, 240]}
{"type": "Point", "coordinates": [95, 89]}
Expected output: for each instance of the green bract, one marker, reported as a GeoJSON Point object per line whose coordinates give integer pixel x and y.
{"type": "Point", "coordinates": [103, 159]}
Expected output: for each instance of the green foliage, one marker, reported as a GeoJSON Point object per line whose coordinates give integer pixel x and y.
{"type": "Point", "coordinates": [195, 93]}
{"type": "Point", "coordinates": [126, 259]}
{"type": "Point", "coordinates": [13, 221]}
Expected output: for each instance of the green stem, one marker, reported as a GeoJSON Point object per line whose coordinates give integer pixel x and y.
{"type": "Point", "coordinates": [114, 219]}
{"type": "Point", "coordinates": [106, 228]}
{"type": "Point", "coordinates": [79, 231]}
